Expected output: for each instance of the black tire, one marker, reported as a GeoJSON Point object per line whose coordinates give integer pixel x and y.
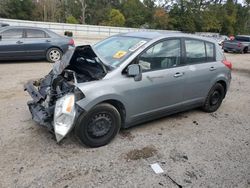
{"type": "Point", "coordinates": [53, 54]}
{"type": "Point", "coordinates": [245, 50]}
{"type": "Point", "coordinates": [225, 51]}
{"type": "Point", "coordinates": [99, 126]}
{"type": "Point", "coordinates": [214, 98]}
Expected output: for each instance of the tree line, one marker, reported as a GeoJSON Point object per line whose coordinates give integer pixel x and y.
{"type": "Point", "coordinates": [221, 16]}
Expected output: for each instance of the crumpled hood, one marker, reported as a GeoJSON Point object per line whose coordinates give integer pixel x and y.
{"type": "Point", "coordinates": [85, 52]}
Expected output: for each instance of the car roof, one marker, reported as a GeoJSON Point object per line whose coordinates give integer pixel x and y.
{"type": "Point", "coordinates": [24, 27]}
{"type": "Point", "coordinates": [164, 34]}
{"type": "Point", "coordinates": [28, 27]}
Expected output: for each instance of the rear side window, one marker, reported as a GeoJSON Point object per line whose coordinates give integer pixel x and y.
{"type": "Point", "coordinates": [12, 34]}
{"type": "Point", "coordinates": [198, 51]}
{"type": "Point", "coordinates": [210, 51]}
{"type": "Point", "coordinates": [195, 51]}
{"type": "Point", "coordinates": [34, 33]}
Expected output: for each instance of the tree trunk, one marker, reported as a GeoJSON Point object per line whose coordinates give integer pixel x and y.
{"type": "Point", "coordinates": [84, 6]}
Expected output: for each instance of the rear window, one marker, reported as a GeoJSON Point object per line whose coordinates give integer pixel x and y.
{"type": "Point", "coordinates": [243, 39]}
{"type": "Point", "coordinates": [198, 51]}
{"type": "Point", "coordinates": [34, 33]}
{"type": "Point", "coordinates": [12, 34]}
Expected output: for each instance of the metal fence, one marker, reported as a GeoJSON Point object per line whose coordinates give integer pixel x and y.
{"type": "Point", "coordinates": [91, 31]}
{"type": "Point", "coordinates": [77, 29]}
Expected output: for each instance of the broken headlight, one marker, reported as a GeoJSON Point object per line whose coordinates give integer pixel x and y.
{"type": "Point", "coordinates": [64, 116]}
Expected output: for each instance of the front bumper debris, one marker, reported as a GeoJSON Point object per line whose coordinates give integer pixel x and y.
{"type": "Point", "coordinates": [58, 116]}
{"type": "Point", "coordinates": [29, 87]}
{"type": "Point", "coordinates": [40, 115]}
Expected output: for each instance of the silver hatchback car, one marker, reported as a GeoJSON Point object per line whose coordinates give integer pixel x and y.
{"type": "Point", "coordinates": [128, 79]}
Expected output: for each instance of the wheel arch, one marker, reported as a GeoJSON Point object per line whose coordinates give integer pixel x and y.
{"type": "Point", "coordinates": [54, 47]}
{"type": "Point", "coordinates": [97, 98]}
{"type": "Point", "coordinates": [224, 84]}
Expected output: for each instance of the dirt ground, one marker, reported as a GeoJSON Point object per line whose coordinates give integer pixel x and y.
{"type": "Point", "coordinates": [195, 149]}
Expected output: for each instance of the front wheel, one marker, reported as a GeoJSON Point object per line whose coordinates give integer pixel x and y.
{"type": "Point", "coordinates": [214, 98]}
{"type": "Point", "coordinates": [53, 55]}
{"type": "Point", "coordinates": [99, 126]}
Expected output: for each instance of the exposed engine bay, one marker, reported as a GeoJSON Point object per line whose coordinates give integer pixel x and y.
{"type": "Point", "coordinates": [54, 96]}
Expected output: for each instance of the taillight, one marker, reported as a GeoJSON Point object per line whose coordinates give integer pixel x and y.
{"type": "Point", "coordinates": [239, 44]}
{"type": "Point", "coordinates": [71, 42]}
{"type": "Point", "coordinates": [228, 64]}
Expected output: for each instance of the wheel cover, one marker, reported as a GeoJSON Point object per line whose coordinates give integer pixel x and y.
{"type": "Point", "coordinates": [54, 55]}
{"type": "Point", "coordinates": [215, 98]}
{"type": "Point", "coordinates": [100, 125]}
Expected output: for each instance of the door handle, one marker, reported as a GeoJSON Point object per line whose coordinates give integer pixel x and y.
{"type": "Point", "coordinates": [212, 68]}
{"type": "Point", "coordinates": [48, 41]}
{"type": "Point", "coordinates": [178, 74]}
{"type": "Point", "coordinates": [19, 42]}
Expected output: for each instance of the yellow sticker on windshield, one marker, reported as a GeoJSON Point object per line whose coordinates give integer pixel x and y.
{"type": "Point", "coordinates": [119, 54]}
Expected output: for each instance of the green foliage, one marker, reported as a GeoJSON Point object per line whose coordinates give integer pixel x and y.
{"type": "Point", "coordinates": [229, 18]}
{"type": "Point", "coordinates": [160, 19]}
{"type": "Point", "coordinates": [19, 9]}
{"type": "Point", "coordinates": [71, 19]}
{"type": "Point", "coordinates": [210, 22]}
{"type": "Point", "coordinates": [223, 16]}
{"type": "Point", "coordinates": [3, 8]}
{"type": "Point", "coordinates": [115, 18]}
{"type": "Point", "coordinates": [134, 12]}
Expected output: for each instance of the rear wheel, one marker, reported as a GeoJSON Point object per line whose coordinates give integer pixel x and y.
{"type": "Point", "coordinates": [99, 126]}
{"type": "Point", "coordinates": [214, 98]}
{"type": "Point", "coordinates": [53, 55]}
{"type": "Point", "coordinates": [245, 50]}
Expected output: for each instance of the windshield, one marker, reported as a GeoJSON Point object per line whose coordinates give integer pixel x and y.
{"type": "Point", "coordinates": [115, 50]}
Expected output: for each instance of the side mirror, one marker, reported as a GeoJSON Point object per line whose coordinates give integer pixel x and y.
{"type": "Point", "coordinates": [134, 70]}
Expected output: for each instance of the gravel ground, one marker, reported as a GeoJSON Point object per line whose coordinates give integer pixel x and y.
{"type": "Point", "coordinates": [195, 149]}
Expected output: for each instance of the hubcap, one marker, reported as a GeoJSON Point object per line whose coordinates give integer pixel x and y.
{"type": "Point", "coordinates": [215, 98]}
{"type": "Point", "coordinates": [100, 125]}
{"type": "Point", "coordinates": [54, 55]}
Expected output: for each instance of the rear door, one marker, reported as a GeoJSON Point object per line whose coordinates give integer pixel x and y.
{"type": "Point", "coordinates": [201, 68]}
{"type": "Point", "coordinates": [11, 45]}
{"type": "Point", "coordinates": [36, 42]}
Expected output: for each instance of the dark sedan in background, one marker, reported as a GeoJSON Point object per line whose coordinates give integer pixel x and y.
{"type": "Point", "coordinates": [28, 43]}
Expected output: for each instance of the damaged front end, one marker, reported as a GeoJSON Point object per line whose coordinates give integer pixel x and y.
{"type": "Point", "coordinates": [54, 97]}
